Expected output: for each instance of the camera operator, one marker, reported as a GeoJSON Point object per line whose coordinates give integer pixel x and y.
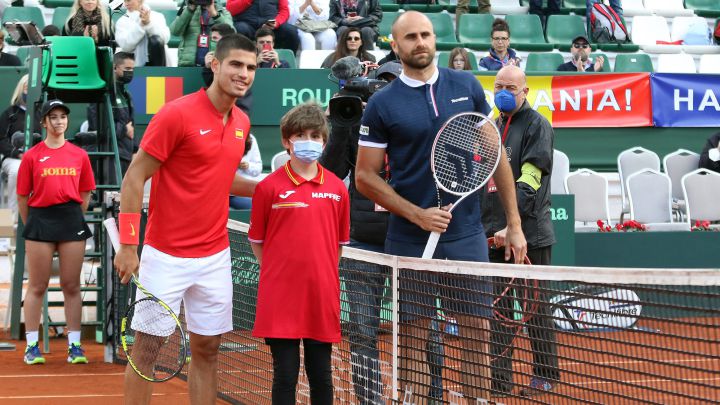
{"type": "Point", "coordinates": [193, 24]}
{"type": "Point", "coordinates": [368, 226]}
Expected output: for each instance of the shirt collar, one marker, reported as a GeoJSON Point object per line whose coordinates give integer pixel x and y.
{"type": "Point", "coordinates": [417, 83]}
{"type": "Point", "coordinates": [298, 180]}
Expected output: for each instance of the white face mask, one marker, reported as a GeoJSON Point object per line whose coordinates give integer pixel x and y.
{"type": "Point", "coordinates": [307, 151]}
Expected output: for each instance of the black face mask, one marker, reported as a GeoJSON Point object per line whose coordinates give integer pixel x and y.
{"type": "Point", "coordinates": [127, 76]}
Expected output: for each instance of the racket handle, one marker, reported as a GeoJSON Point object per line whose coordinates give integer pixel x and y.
{"type": "Point", "coordinates": [431, 245]}
{"type": "Point", "coordinates": [113, 233]}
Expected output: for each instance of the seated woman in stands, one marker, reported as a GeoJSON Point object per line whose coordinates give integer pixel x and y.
{"type": "Point", "coordinates": [349, 44]}
{"type": "Point", "coordinates": [500, 52]}
{"type": "Point", "coordinates": [143, 32]}
{"type": "Point", "coordinates": [459, 59]}
{"type": "Point", "coordinates": [88, 18]}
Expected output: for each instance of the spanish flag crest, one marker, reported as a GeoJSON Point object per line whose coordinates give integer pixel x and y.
{"type": "Point", "coordinates": [239, 134]}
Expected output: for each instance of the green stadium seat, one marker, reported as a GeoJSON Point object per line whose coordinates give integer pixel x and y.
{"type": "Point", "coordinates": [444, 31]}
{"type": "Point", "coordinates": [60, 16]}
{"type": "Point", "coordinates": [573, 6]}
{"type": "Point", "coordinates": [630, 63]}
{"type": "Point", "coordinates": [527, 33]}
{"type": "Point", "coordinates": [424, 8]}
{"type": "Point", "coordinates": [444, 59]}
{"type": "Point", "coordinates": [562, 29]}
{"type": "Point", "coordinates": [474, 31]}
{"type": "Point", "coordinates": [543, 62]}
{"type": "Point", "coordinates": [74, 65]}
{"type": "Point", "coordinates": [170, 16]}
{"type": "Point", "coordinates": [22, 53]}
{"type": "Point", "coordinates": [33, 14]}
{"type": "Point", "coordinates": [386, 22]}
{"type": "Point", "coordinates": [288, 56]}
{"type": "Point", "coordinates": [606, 65]}
{"type": "Point", "coordinates": [704, 8]}
{"type": "Point", "coordinates": [57, 3]}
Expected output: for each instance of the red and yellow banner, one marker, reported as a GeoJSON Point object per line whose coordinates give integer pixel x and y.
{"type": "Point", "coordinates": [612, 100]}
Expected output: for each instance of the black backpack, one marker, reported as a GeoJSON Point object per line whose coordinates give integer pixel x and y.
{"type": "Point", "coordinates": [606, 26]}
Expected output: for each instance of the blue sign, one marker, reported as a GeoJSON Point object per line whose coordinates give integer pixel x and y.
{"type": "Point", "coordinates": [685, 100]}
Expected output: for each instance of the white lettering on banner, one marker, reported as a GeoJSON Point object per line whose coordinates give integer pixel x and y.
{"type": "Point", "coordinates": [628, 98]}
{"type": "Point", "coordinates": [292, 97]}
{"type": "Point", "coordinates": [566, 98]}
{"type": "Point", "coordinates": [709, 100]}
{"type": "Point", "coordinates": [326, 195]}
{"type": "Point", "coordinates": [543, 99]}
{"type": "Point", "coordinates": [608, 100]}
{"type": "Point", "coordinates": [678, 99]}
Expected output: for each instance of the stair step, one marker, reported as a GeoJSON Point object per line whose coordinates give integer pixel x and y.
{"type": "Point", "coordinates": [56, 289]}
{"type": "Point", "coordinates": [62, 303]}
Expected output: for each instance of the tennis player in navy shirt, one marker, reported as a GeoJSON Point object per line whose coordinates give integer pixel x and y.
{"type": "Point", "coordinates": [403, 120]}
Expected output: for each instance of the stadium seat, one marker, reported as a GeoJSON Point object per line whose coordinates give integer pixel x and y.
{"type": "Point", "coordinates": [591, 199]}
{"type": "Point", "coordinates": [680, 27]}
{"type": "Point", "coordinates": [426, 8]}
{"type": "Point", "coordinates": [158, 5]}
{"type": "Point", "coordinates": [704, 8]}
{"type": "Point", "coordinates": [632, 8]}
{"type": "Point", "coordinates": [22, 53]}
{"type": "Point", "coordinates": [648, 30]}
{"type": "Point", "coordinates": [288, 56]}
{"type": "Point", "coordinates": [543, 62]}
{"type": "Point", "coordinates": [577, 7]}
{"type": "Point", "coordinates": [630, 63]}
{"type": "Point", "coordinates": [170, 16]}
{"type": "Point", "coordinates": [312, 59]}
{"type": "Point", "coordinates": [676, 63]}
{"type": "Point", "coordinates": [562, 29]}
{"type": "Point", "coordinates": [444, 30]}
{"type": "Point", "coordinates": [676, 165]}
{"type": "Point", "coordinates": [444, 58]}
{"type": "Point", "coordinates": [278, 160]}
{"type": "Point", "coordinates": [57, 3]}
{"type": "Point", "coordinates": [74, 65]}
{"type": "Point", "coordinates": [649, 192]}
{"type": "Point", "coordinates": [33, 14]}
{"type": "Point", "coordinates": [386, 23]}
{"type": "Point", "coordinates": [701, 189]}
{"type": "Point", "coordinates": [607, 67]}
{"type": "Point", "coordinates": [709, 64]}
{"type": "Point", "coordinates": [527, 33]}
{"type": "Point", "coordinates": [389, 6]}
{"type": "Point", "coordinates": [378, 54]}
{"type": "Point", "coordinates": [60, 16]}
{"type": "Point", "coordinates": [507, 7]}
{"type": "Point", "coordinates": [630, 161]}
{"type": "Point", "coordinates": [474, 31]}
{"type": "Point", "coordinates": [560, 169]}
{"type": "Point", "coordinates": [667, 8]}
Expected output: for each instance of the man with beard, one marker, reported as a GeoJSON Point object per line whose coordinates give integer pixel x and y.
{"type": "Point", "coordinates": [581, 62]}
{"type": "Point", "coordinates": [402, 120]}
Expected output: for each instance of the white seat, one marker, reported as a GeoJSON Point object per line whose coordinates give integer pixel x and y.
{"type": "Point", "coordinates": [632, 8]}
{"type": "Point", "coordinates": [378, 54]}
{"type": "Point", "coordinates": [701, 189]}
{"type": "Point", "coordinates": [647, 30]}
{"type": "Point", "coordinates": [561, 168]}
{"type": "Point", "coordinates": [630, 161]}
{"type": "Point", "coordinates": [677, 164]}
{"type": "Point", "coordinates": [278, 160]}
{"type": "Point", "coordinates": [591, 199]}
{"type": "Point", "coordinates": [709, 64]}
{"type": "Point", "coordinates": [649, 193]}
{"type": "Point", "coordinates": [312, 59]}
{"type": "Point", "coordinates": [676, 63]}
{"type": "Point", "coordinates": [668, 8]}
{"type": "Point", "coordinates": [679, 29]}
{"type": "Point", "coordinates": [507, 7]}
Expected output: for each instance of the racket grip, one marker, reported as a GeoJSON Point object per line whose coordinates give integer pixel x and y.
{"type": "Point", "coordinates": [113, 233]}
{"type": "Point", "coordinates": [431, 245]}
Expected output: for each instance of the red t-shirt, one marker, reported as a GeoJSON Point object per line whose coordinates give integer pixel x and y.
{"type": "Point", "coordinates": [188, 210]}
{"type": "Point", "coordinates": [54, 176]}
{"type": "Point", "coordinates": [300, 225]}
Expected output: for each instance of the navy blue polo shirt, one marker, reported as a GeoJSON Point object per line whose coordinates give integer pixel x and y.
{"type": "Point", "coordinates": [404, 118]}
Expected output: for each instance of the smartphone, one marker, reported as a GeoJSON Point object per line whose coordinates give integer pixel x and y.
{"type": "Point", "coordinates": [271, 22]}
{"type": "Point", "coordinates": [267, 47]}
{"type": "Point", "coordinates": [351, 14]}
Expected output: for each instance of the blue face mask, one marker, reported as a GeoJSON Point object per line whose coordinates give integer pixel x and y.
{"type": "Point", "coordinates": [307, 151]}
{"type": "Point", "coordinates": [505, 101]}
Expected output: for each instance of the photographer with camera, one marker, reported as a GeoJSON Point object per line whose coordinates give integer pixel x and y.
{"type": "Point", "coordinates": [368, 222]}
{"type": "Point", "coordinates": [193, 24]}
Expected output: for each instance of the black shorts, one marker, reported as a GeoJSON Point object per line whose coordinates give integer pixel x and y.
{"type": "Point", "coordinates": [56, 223]}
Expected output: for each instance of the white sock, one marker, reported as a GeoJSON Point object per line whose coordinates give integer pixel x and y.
{"type": "Point", "coordinates": [31, 337]}
{"type": "Point", "coordinates": [73, 337]}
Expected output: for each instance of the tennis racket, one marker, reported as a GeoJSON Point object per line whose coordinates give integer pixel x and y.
{"type": "Point", "coordinates": [465, 154]}
{"type": "Point", "coordinates": [152, 336]}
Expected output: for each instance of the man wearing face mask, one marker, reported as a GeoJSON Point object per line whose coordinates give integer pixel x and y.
{"type": "Point", "coordinates": [123, 67]}
{"type": "Point", "coordinates": [581, 62]}
{"type": "Point", "coordinates": [528, 139]}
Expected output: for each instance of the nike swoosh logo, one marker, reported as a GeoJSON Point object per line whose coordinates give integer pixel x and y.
{"type": "Point", "coordinates": [132, 230]}
{"type": "Point", "coordinates": [81, 232]}
{"type": "Point", "coordinates": [287, 194]}
{"type": "Point", "coordinates": [204, 131]}
{"type": "Point", "coordinates": [44, 159]}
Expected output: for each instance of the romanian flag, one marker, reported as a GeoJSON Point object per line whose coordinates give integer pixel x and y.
{"type": "Point", "coordinates": [152, 92]}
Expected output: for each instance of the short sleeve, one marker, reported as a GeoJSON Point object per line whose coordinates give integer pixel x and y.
{"type": "Point", "coordinates": [87, 178]}
{"type": "Point", "coordinates": [25, 175]}
{"type": "Point", "coordinates": [372, 131]}
{"type": "Point", "coordinates": [164, 133]}
{"type": "Point", "coordinates": [259, 214]}
{"type": "Point", "coordinates": [481, 104]}
{"type": "Point", "coordinates": [344, 229]}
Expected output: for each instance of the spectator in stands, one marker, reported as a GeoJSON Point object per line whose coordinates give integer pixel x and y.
{"type": "Point", "coordinates": [220, 30]}
{"type": "Point", "coordinates": [51, 31]}
{"type": "Point", "coordinates": [250, 168]}
{"type": "Point", "coordinates": [143, 32]}
{"type": "Point", "coordinates": [616, 5]}
{"type": "Point", "coordinates": [528, 138]}
{"type": "Point", "coordinates": [194, 24]}
{"type": "Point", "coordinates": [363, 14]}
{"type": "Point", "coordinates": [459, 59]}
{"type": "Point", "coordinates": [250, 15]}
{"type": "Point", "coordinates": [123, 69]}
{"type": "Point", "coordinates": [709, 158]}
{"type": "Point", "coordinates": [463, 6]}
{"type": "Point", "coordinates": [536, 7]}
{"type": "Point", "coordinates": [351, 43]}
{"type": "Point", "coordinates": [313, 10]}
{"type": "Point", "coordinates": [7, 59]}
{"type": "Point", "coordinates": [581, 61]}
{"type": "Point", "coordinates": [500, 53]}
{"type": "Point", "coordinates": [12, 120]}
{"type": "Point", "coordinates": [216, 33]}
{"type": "Point", "coordinates": [88, 19]}
{"type": "Point", "coordinates": [267, 56]}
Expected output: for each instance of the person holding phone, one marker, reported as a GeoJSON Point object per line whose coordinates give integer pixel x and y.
{"type": "Point", "coordinates": [362, 14]}
{"type": "Point", "coordinates": [267, 57]}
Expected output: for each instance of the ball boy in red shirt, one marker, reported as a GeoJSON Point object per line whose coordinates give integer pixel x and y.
{"type": "Point", "coordinates": [300, 217]}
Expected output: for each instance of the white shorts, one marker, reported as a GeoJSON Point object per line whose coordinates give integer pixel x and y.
{"type": "Point", "coordinates": [203, 284]}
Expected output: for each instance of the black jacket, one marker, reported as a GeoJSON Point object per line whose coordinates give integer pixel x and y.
{"type": "Point", "coordinates": [366, 224]}
{"type": "Point", "coordinates": [705, 162]}
{"type": "Point", "coordinates": [259, 12]}
{"type": "Point", "coordinates": [529, 139]}
{"type": "Point", "coordinates": [122, 114]}
{"type": "Point", "coordinates": [370, 9]}
{"type": "Point", "coordinates": [570, 67]}
{"type": "Point", "coordinates": [7, 59]}
{"type": "Point", "coordinates": [11, 121]}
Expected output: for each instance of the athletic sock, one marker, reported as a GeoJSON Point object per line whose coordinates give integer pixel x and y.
{"type": "Point", "coordinates": [73, 338]}
{"type": "Point", "coordinates": [31, 337]}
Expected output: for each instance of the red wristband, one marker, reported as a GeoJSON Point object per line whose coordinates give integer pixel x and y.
{"type": "Point", "coordinates": [129, 228]}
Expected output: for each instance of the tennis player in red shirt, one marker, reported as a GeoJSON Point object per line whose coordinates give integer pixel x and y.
{"type": "Point", "coordinates": [299, 220]}
{"type": "Point", "coordinates": [191, 149]}
{"type": "Point", "coordinates": [54, 184]}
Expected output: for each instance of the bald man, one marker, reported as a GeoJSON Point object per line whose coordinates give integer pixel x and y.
{"type": "Point", "coordinates": [402, 120]}
{"type": "Point", "coordinates": [528, 139]}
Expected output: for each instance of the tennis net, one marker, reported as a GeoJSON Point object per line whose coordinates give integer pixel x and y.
{"type": "Point", "coordinates": [418, 331]}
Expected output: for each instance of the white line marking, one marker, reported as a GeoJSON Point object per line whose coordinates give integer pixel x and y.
{"type": "Point", "coordinates": [60, 375]}
{"type": "Point", "coordinates": [85, 395]}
